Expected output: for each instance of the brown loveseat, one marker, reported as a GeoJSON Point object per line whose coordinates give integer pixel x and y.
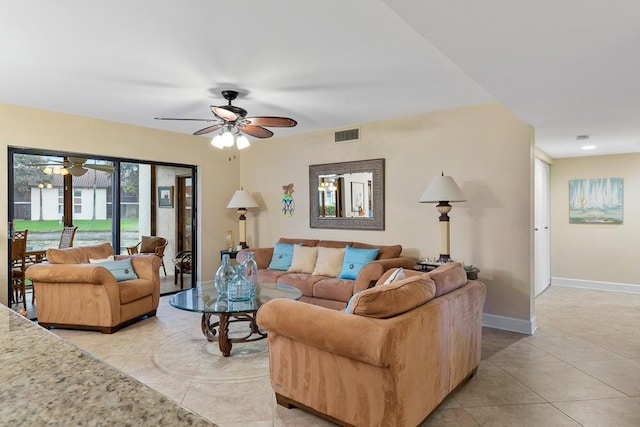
{"type": "Point", "coordinates": [403, 348]}
{"type": "Point", "coordinates": [71, 293]}
{"type": "Point", "coordinates": [331, 292]}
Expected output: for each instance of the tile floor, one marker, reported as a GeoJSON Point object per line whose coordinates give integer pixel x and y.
{"type": "Point", "coordinates": [581, 368]}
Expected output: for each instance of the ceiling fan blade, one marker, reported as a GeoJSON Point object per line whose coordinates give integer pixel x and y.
{"type": "Point", "coordinates": [102, 168]}
{"type": "Point", "coordinates": [208, 129]}
{"type": "Point", "coordinates": [193, 120]}
{"type": "Point", "coordinates": [224, 114]}
{"type": "Point", "coordinates": [257, 131]}
{"type": "Point", "coordinates": [282, 122]}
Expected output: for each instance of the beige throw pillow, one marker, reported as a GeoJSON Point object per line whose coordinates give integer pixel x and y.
{"type": "Point", "coordinates": [304, 259]}
{"type": "Point", "coordinates": [329, 262]}
{"type": "Point", "coordinates": [98, 261]}
{"type": "Point", "coordinates": [398, 274]}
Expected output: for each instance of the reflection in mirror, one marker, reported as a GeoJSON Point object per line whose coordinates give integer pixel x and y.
{"type": "Point", "coordinates": [347, 195]}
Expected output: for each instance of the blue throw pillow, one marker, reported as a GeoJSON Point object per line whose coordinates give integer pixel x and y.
{"type": "Point", "coordinates": [121, 269]}
{"type": "Point", "coordinates": [355, 259]}
{"type": "Point", "coordinates": [282, 255]}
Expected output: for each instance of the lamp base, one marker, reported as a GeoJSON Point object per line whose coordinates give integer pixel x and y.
{"type": "Point", "coordinates": [243, 244]}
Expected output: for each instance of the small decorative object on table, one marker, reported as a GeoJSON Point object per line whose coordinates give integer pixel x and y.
{"type": "Point", "coordinates": [239, 288]}
{"type": "Point", "coordinates": [250, 271]}
{"type": "Point", "coordinates": [471, 270]}
{"type": "Point", "coordinates": [229, 239]}
{"type": "Point", "coordinates": [224, 276]}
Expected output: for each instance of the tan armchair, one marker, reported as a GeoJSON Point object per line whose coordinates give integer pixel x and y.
{"type": "Point", "coordinates": [75, 294]}
{"type": "Point", "coordinates": [151, 245]}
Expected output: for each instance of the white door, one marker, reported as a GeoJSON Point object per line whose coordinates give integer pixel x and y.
{"type": "Point", "coordinates": [542, 240]}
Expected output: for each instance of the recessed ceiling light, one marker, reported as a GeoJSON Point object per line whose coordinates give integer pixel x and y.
{"type": "Point", "coordinates": [588, 147]}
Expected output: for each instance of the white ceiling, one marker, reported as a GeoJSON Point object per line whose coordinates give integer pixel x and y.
{"type": "Point", "coordinates": [567, 67]}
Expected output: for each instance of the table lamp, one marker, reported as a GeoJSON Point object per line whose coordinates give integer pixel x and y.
{"type": "Point", "coordinates": [242, 201]}
{"type": "Point", "coordinates": [442, 190]}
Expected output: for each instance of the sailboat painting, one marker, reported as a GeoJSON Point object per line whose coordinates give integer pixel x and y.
{"type": "Point", "coordinates": [595, 201]}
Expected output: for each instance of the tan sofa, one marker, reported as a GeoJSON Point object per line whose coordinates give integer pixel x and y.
{"type": "Point", "coordinates": [404, 348]}
{"type": "Point", "coordinates": [71, 293]}
{"type": "Point", "coordinates": [331, 292]}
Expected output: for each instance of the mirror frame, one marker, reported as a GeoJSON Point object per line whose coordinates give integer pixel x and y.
{"type": "Point", "coordinates": [352, 223]}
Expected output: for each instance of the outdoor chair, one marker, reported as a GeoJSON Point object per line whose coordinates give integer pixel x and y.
{"type": "Point", "coordinates": [182, 265]}
{"type": "Point", "coordinates": [150, 245]}
{"type": "Point", "coordinates": [66, 238]}
{"type": "Point", "coordinates": [18, 266]}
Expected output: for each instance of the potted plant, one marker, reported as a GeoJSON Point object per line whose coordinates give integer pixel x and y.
{"type": "Point", "coordinates": [471, 270]}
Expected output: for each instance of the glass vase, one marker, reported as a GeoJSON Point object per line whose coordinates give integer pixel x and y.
{"type": "Point", "coordinates": [224, 276]}
{"type": "Point", "coordinates": [239, 287]}
{"type": "Point", "coordinates": [250, 271]}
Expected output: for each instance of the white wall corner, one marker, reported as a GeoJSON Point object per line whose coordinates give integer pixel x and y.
{"type": "Point", "coordinates": [593, 284]}
{"type": "Point", "coordinates": [509, 323]}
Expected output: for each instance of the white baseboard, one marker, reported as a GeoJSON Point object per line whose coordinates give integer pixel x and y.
{"type": "Point", "coordinates": [592, 284]}
{"type": "Point", "coordinates": [509, 323]}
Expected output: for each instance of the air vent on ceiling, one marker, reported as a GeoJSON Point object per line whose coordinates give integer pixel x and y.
{"type": "Point", "coordinates": [349, 135]}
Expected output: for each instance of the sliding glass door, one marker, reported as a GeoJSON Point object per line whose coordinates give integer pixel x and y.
{"type": "Point", "coordinates": [108, 199]}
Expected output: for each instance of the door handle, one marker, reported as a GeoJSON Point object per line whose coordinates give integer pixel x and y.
{"type": "Point", "coordinates": [535, 229]}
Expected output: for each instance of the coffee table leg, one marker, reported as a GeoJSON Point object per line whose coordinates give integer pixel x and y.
{"type": "Point", "coordinates": [223, 339]}
{"type": "Point", "coordinates": [208, 329]}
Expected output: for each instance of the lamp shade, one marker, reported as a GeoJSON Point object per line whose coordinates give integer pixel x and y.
{"type": "Point", "coordinates": [242, 199]}
{"type": "Point", "coordinates": [442, 189]}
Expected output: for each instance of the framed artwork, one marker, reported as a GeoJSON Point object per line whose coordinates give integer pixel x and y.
{"type": "Point", "coordinates": [357, 196]}
{"type": "Point", "coordinates": [165, 197]}
{"type": "Point", "coordinates": [595, 201]}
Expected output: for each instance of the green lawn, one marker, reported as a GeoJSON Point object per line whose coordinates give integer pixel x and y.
{"type": "Point", "coordinates": [82, 224]}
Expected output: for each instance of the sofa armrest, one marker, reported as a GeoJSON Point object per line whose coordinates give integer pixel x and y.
{"type": "Point", "coordinates": [146, 266]}
{"type": "Point", "coordinates": [371, 272]}
{"type": "Point", "coordinates": [261, 255]}
{"type": "Point", "coordinates": [348, 335]}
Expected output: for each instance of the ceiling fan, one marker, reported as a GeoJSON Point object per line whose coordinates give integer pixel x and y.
{"type": "Point", "coordinates": [75, 166]}
{"type": "Point", "coordinates": [233, 120]}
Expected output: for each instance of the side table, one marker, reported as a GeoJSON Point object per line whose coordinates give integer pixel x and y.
{"type": "Point", "coordinates": [232, 254]}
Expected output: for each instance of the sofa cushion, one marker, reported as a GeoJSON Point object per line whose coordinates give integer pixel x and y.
{"type": "Point", "coordinates": [132, 290]}
{"type": "Point", "coordinates": [78, 254]}
{"type": "Point", "coordinates": [282, 255]}
{"type": "Point", "coordinates": [396, 275]}
{"type": "Point", "coordinates": [304, 259]}
{"type": "Point", "coordinates": [448, 277]}
{"type": "Point", "coordinates": [334, 289]}
{"type": "Point", "coordinates": [121, 269]}
{"type": "Point", "coordinates": [270, 276]}
{"type": "Point", "coordinates": [385, 252]}
{"type": "Point", "coordinates": [392, 299]}
{"type": "Point", "coordinates": [329, 261]}
{"type": "Point", "coordinates": [354, 260]}
{"type": "Point", "coordinates": [302, 281]}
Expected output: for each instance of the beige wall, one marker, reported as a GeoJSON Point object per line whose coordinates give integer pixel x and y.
{"type": "Point", "coordinates": [485, 149]}
{"type": "Point", "coordinates": [218, 177]}
{"type": "Point", "coordinates": [594, 252]}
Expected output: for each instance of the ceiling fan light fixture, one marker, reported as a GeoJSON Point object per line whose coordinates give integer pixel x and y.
{"type": "Point", "coordinates": [242, 142]}
{"type": "Point", "coordinates": [217, 141]}
{"type": "Point", "coordinates": [227, 139]}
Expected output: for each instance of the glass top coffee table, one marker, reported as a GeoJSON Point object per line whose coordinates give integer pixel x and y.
{"type": "Point", "coordinates": [209, 302]}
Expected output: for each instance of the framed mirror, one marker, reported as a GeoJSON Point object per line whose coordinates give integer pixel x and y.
{"type": "Point", "coordinates": [347, 195]}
